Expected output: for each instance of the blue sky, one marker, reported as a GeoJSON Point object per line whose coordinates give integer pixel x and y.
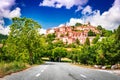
{"type": "Point", "coordinates": [51, 17]}
{"type": "Point", "coordinates": [52, 13]}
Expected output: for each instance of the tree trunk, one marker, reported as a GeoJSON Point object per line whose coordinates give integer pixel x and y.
{"type": "Point", "coordinates": [31, 58]}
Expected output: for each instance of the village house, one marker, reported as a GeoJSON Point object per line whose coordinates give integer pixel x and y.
{"type": "Point", "coordinates": [69, 34]}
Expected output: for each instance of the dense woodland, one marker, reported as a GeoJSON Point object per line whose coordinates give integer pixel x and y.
{"type": "Point", "coordinates": [24, 43]}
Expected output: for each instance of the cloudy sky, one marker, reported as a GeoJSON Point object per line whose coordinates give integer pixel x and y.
{"type": "Point", "coordinates": [52, 13]}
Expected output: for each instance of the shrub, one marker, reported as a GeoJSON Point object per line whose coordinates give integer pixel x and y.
{"type": "Point", "coordinates": [7, 68]}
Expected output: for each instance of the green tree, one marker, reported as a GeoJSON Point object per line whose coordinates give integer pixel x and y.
{"type": "Point", "coordinates": [106, 33]}
{"type": "Point", "coordinates": [87, 42]}
{"type": "Point", "coordinates": [78, 24]}
{"type": "Point", "coordinates": [58, 53]}
{"type": "Point", "coordinates": [91, 33]}
{"type": "Point", "coordinates": [105, 51]}
{"type": "Point", "coordinates": [95, 40]}
{"type": "Point", "coordinates": [99, 27]}
{"type": "Point", "coordinates": [77, 41]}
{"type": "Point", "coordinates": [117, 46]}
{"type": "Point", "coordinates": [117, 35]}
{"type": "Point", "coordinates": [50, 37]}
{"type": "Point", "coordinates": [73, 27]}
{"type": "Point", "coordinates": [75, 55]}
{"type": "Point", "coordinates": [3, 37]}
{"type": "Point", "coordinates": [58, 43]}
{"type": "Point", "coordinates": [24, 39]}
{"type": "Point", "coordinates": [84, 55]}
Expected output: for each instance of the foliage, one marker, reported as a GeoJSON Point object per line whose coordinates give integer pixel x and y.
{"type": "Point", "coordinates": [24, 42]}
{"type": "Point", "coordinates": [87, 42]}
{"type": "Point", "coordinates": [78, 24]}
{"type": "Point", "coordinates": [99, 27]}
{"type": "Point", "coordinates": [3, 37]}
{"type": "Point", "coordinates": [117, 36]}
{"type": "Point", "coordinates": [95, 40]}
{"type": "Point", "coordinates": [50, 37]}
{"type": "Point", "coordinates": [73, 54]}
{"type": "Point", "coordinates": [91, 33]}
{"type": "Point", "coordinates": [105, 52]}
{"type": "Point", "coordinates": [7, 68]}
{"type": "Point", "coordinates": [58, 43]}
{"type": "Point", "coordinates": [72, 45]}
{"type": "Point", "coordinates": [62, 35]}
{"type": "Point", "coordinates": [77, 41]}
{"type": "Point", "coordinates": [104, 32]}
{"type": "Point", "coordinates": [58, 53]}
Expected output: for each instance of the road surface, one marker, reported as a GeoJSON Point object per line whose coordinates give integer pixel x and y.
{"type": "Point", "coordinates": [60, 71]}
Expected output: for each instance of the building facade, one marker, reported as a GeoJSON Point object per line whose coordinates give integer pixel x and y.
{"type": "Point", "coordinates": [69, 34]}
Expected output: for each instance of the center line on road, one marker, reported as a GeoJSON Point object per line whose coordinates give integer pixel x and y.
{"type": "Point", "coordinates": [45, 67]}
{"type": "Point", "coordinates": [83, 76]}
{"type": "Point", "coordinates": [38, 75]}
{"type": "Point", "coordinates": [42, 71]}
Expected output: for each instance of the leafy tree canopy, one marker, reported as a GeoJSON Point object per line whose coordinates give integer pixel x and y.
{"type": "Point", "coordinates": [78, 24]}
{"type": "Point", "coordinates": [24, 40]}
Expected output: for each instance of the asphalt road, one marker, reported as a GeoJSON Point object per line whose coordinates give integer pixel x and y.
{"type": "Point", "coordinates": [60, 71]}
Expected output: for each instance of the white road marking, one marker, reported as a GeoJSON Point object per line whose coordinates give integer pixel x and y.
{"type": "Point", "coordinates": [38, 75]}
{"type": "Point", "coordinates": [83, 76]}
{"type": "Point", "coordinates": [42, 70]}
{"type": "Point", "coordinates": [45, 67]}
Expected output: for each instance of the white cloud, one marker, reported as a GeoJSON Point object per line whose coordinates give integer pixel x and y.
{"type": "Point", "coordinates": [79, 8]}
{"type": "Point", "coordinates": [42, 31]}
{"type": "Point", "coordinates": [87, 10]}
{"type": "Point", "coordinates": [5, 12]}
{"type": "Point", "coordinates": [66, 3]}
{"type": "Point", "coordinates": [15, 13]}
{"type": "Point", "coordinates": [73, 21]}
{"type": "Point", "coordinates": [109, 19]}
{"type": "Point", "coordinates": [6, 4]}
{"type": "Point", "coordinates": [61, 25]}
{"type": "Point", "coordinates": [4, 31]}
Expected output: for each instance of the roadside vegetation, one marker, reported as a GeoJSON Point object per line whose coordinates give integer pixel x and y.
{"type": "Point", "coordinates": [11, 67]}
{"type": "Point", "coordinates": [105, 52]}
{"type": "Point", "coordinates": [24, 46]}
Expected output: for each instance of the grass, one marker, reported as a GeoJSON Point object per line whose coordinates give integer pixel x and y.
{"type": "Point", "coordinates": [8, 68]}
{"type": "Point", "coordinates": [66, 60]}
{"type": "Point", "coordinates": [62, 60]}
{"type": "Point", "coordinates": [108, 67]}
{"type": "Point", "coordinates": [45, 58]}
{"type": "Point", "coordinates": [83, 65]}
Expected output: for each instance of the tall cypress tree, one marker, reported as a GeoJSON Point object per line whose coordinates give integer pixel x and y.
{"type": "Point", "coordinates": [87, 42]}
{"type": "Point", "coordinates": [117, 36]}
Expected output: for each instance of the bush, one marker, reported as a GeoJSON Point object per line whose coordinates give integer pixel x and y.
{"type": "Point", "coordinates": [7, 68]}
{"type": "Point", "coordinates": [108, 67]}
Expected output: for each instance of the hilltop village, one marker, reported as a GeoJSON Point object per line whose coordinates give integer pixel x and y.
{"type": "Point", "coordinates": [69, 34]}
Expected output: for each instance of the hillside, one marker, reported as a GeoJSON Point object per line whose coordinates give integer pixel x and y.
{"type": "Point", "coordinates": [69, 34]}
